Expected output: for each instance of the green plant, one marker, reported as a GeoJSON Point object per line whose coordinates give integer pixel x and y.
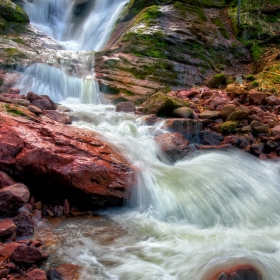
{"type": "Point", "coordinates": [255, 84]}
{"type": "Point", "coordinates": [250, 78]}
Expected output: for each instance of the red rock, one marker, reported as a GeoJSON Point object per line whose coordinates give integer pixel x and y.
{"type": "Point", "coordinates": [7, 227]}
{"type": "Point", "coordinates": [127, 107]}
{"type": "Point", "coordinates": [174, 145]}
{"type": "Point", "coordinates": [37, 274]}
{"type": "Point", "coordinates": [64, 272]}
{"type": "Point", "coordinates": [53, 105]}
{"type": "Point", "coordinates": [5, 180]}
{"type": "Point", "coordinates": [14, 96]}
{"type": "Point", "coordinates": [14, 90]}
{"type": "Point", "coordinates": [275, 130]}
{"type": "Point", "coordinates": [25, 225]}
{"type": "Point", "coordinates": [150, 119]}
{"type": "Point", "coordinates": [58, 116]}
{"type": "Point", "coordinates": [256, 149]}
{"type": "Point", "coordinates": [12, 198]}
{"type": "Point", "coordinates": [273, 100]}
{"type": "Point", "coordinates": [35, 110]}
{"type": "Point", "coordinates": [4, 273]}
{"type": "Point", "coordinates": [65, 160]}
{"type": "Point", "coordinates": [31, 96]}
{"type": "Point", "coordinates": [11, 266]}
{"type": "Point", "coordinates": [242, 272]}
{"type": "Point", "coordinates": [43, 104]}
{"type": "Point", "coordinates": [256, 98]}
{"type": "Point", "coordinates": [27, 255]}
{"type": "Point", "coordinates": [7, 250]}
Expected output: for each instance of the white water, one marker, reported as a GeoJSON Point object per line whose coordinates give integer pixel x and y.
{"type": "Point", "coordinates": [189, 220]}
{"type": "Point", "coordinates": [54, 17]}
{"type": "Point", "coordinates": [211, 211]}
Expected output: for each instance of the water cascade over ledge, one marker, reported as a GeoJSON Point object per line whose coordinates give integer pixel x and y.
{"type": "Point", "coordinates": [185, 221]}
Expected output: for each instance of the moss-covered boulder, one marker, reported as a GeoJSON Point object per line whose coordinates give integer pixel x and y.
{"type": "Point", "coordinates": [12, 12]}
{"type": "Point", "coordinates": [162, 105]}
{"type": "Point", "coordinates": [239, 114]}
{"type": "Point", "coordinates": [229, 127]}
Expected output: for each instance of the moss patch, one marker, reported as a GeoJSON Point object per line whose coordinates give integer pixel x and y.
{"type": "Point", "coordinates": [12, 12]}
{"type": "Point", "coordinates": [15, 111]}
{"type": "Point", "coordinates": [229, 127]}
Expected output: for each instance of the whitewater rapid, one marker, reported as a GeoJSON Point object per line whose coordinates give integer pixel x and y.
{"type": "Point", "coordinates": [207, 212]}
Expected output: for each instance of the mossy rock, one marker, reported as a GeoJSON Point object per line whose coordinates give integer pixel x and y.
{"type": "Point", "coordinates": [12, 12]}
{"type": "Point", "coordinates": [229, 127]}
{"type": "Point", "coordinates": [3, 24]}
{"type": "Point", "coordinates": [162, 105]}
{"type": "Point", "coordinates": [218, 80]}
{"type": "Point", "coordinates": [239, 114]}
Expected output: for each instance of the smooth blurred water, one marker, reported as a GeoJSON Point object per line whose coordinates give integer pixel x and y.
{"type": "Point", "coordinates": [62, 80]}
{"type": "Point", "coordinates": [186, 221]}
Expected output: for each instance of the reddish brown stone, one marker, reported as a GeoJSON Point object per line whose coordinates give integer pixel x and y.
{"type": "Point", "coordinates": [7, 250]}
{"type": "Point", "coordinates": [242, 272]}
{"type": "Point", "coordinates": [127, 107]}
{"type": "Point", "coordinates": [26, 254]}
{"type": "Point", "coordinates": [58, 116]}
{"type": "Point", "coordinates": [14, 90]}
{"type": "Point", "coordinates": [150, 119]}
{"type": "Point", "coordinates": [256, 98]}
{"type": "Point", "coordinates": [37, 274]}
{"type": "Point", "coordinates": [71, 162]}
{"type": "Point", "coordinates": [5, 180]}
{"type": "Point", "coordinates": [7, 227]}
{"type": "Point", "coordinates": [31, 96]}
{"type": "Point", "coordinates": [174, 145]}
{"type": "Point", "coordinates": [12, 198]}
{"type": "Point", "coordinates": [25, 225]}
{"type": "Point", "coordinates": [43, 104]}
{"type": "Point", "coordinates": [64, 272]}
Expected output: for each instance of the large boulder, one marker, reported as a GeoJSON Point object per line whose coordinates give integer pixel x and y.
{"type": "Point", "coordinates": [25, 225]}
{"type": "Point", "coordinates": [173, 145]}
{"type": "Point", "coordinates": [12, 12]}
{"type": "Point", "coordinates": [162, 105]}
{"type": "Point", "coordinates": [12, 198]}
{"type": "Point", "coordinates": [59, 161]}
{"type": "Point", "coordinates": [5, 180]}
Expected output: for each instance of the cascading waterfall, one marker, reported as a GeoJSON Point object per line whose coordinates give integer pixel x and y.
{"type": "Point", "coordinates": [210, 211]}
{"type": "Point", "coordinates": [54, 18]}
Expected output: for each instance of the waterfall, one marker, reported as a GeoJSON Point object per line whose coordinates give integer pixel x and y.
{"type": "Point", "coordinates": [54, 18]}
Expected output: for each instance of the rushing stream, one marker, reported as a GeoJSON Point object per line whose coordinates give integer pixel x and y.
{"type": "Point", "coordinates": [184, 221]}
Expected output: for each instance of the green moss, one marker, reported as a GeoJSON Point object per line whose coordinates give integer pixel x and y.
{"type": "Point", "coordinates": [229, 127]}
{"type": "Point", "coordinates": [186, 9]}
{"type": "Point", "coordinates": [149, 16]}
{"type": "Point", "coordinates": [217, 80]}
{"type": "Point", "coordinates": [13, 53]}
{"type": "Point", "coordinates": [3, 24]}
{"type": "Point", "coordinates": [256, 52]}
{"type": "Point", "coordinates": [250, 77]}
{"type": "Point", "coordinates": [255, 84]}
{"type": "Point", "coordinates": [218, 22]}
{"type": "Point", "coordinates": [18, 40]}
{"type": "Point", "coordinates": [12, 12]}
{"type": "Point", "coordinates": [14, 111]}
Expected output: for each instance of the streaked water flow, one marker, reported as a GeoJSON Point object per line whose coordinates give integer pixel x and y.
{"type": "Point", "coordinates": [210, 211]}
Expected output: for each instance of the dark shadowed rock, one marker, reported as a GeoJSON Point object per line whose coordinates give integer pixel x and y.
{"type": "Point", "coordinates": [37, 274]}
{"type": "Point", "coordinates": [43, 104]}
{"type": "Point", "coordinates": [64, 272]}
{"type": "Point", "coordinates": [208, 137]}
{"type": "Point", "coordinates": [4, 273]}
{"type": "Point", "coordinates": [174, 145]}
{"type": "Point", "coordinates": [25, 225]}
{"type": "Point", "coordinates": [27, 255]}
{"type": "Point", "coordinates": [256, 149]}
{"type": "Point", "coordinates": [31, 96]}
{"type": "Point", "coordinates": [7, 227]}
{"type": "Point", "coordinates": [259, 127]}
{"type": "Point", "coordinates": [53, 106]}
{"type": "Point", "coordinates": [58, 116]}
{"type": "Point", "coordinates": [5, 180]}
{"type": "Point", "coordinates": [12, 198]}
{"type": "Point", "coordinates": [256, 98]}
{"type": "Point", "coordinates": [242, 272]}
{"type": "Point", "coordinates": [127, 107]}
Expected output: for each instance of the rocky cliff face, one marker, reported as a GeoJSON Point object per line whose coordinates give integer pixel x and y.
{"type": "Point", "coordinates": [185, 43]}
